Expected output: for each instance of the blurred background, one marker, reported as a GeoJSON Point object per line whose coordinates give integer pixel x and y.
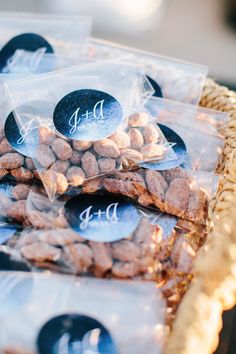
{"type": "Point", "coordinates": [201, 31]}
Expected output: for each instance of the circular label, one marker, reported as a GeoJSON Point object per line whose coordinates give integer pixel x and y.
{"type": "Point", "coordinates": [25, 139]}
{"type": "Point", "coordinates": [87, 115]}
{"type": "Point", "coordinates": [75, 334]}
{"type": "Point", "coordinates": [101, 218]}
{"type": "Point", "coordinates": [16, 56]}
{"type": "Point", "coordinates": [179, 148]}
{"type": "Point", "coordinates": [156, 87]}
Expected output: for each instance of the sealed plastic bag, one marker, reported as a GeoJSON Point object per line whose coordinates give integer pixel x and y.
{"type": "Point", "coordinates": [171, 78]}
{"type": "Point", "coordinates": [82, 130]}
{"type": "Point", "coordinates": [103, 235]}
{"type": "Point", "coordinates": [197, 133]}
{"type": "Point", "coordinates": [80, 316]}
{"type": "Point", "coordinates": [24, 39]}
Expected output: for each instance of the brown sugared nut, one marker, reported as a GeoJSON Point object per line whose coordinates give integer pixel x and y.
{"type": "Point", "coordinates": [106, 148]}
{"type": "Point", "coordinates": [3, 172]}
{"type": "Point", "coordinates": [176, 172]}
{"type": "Point", "coordinates": [54, 181]}
{"type": "Point", "coordinates": [121, 139]}
{"type": "Point", "coordinates": [75, 176]}
{"type": "Point", "coordinates": [11, 160]}
{"type": "Point", "coordinates": [61, 221]}
{"type": "Point", "coordinates": [177, 197]}
{"type": "Point", "coordinates": [125, 251]}
{"type": "Point", "coordinates": [59, 237]}
{"type": "Point", "coordinates": [138, 119]}
{"type": "Point", "coordinates": [29, 163]}
{"type": "Point", "coordinates": [20, 191]}
{"type": "Point", "coordinates": [124, 270]}
{"type": "Point", "coordinates": [45, 156]}
{"type": "Point", "coordinates": [89, 164]}
{"type": "Point", "coordinates": [62, 149]}
{"type": "Point", "coordinates": [17, 211]}
{"type": "Point", "coordinates": [131, 155]}
{"type": "Point", "coordinates": [61, 183]}
{"type": "Point", "coordinates": [22, 174]}
{"type": "Point", "coordinates": [60, 166]}
{"type": "Point", "coordinates": [40, 220]}
{"type": "Point", "coordinates": [157, 186]}
{"type": "Point", "coordinates": [136, 139]}
{"type": "Point", "coordinates": [144, 232]}
{"type": "Point", "coordinates": [79, 257]}
{"type": "Point", "coordinates": [102, 257]}
{"type": "Point", "coordinates": [5, 147]}
{"type": "Point", "coordinates": [40, 252]}
{"type": "Point", "coordinates": [152, 151]}
{"type": "Point", "coordinates": [197, 207]}
{"type": "Point", "coordinates": [113, 185]}
{"type": "Point", "coordinates": [106, 164]}
{"type": "Point", "coordinates": [93, 185]}
{"type": "Point", "coordinates": [81, 145]}
{"type": "Point", "coordinates": [150, 134]}
{"type": "Point", "coordinates": [182, 255]}
{"type": "Point", "coordinates": [46, 135]}
{"type": "Point", "coordinates": [75, 158]}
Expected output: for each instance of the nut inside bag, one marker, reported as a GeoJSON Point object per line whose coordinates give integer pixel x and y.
{"type": "Point", "coordinates": [82, 130]}
{"type": "Point", "coordinates": [103, 235]}
{"type": "Point", "coordinates": [25, 38]}
{"type": "Point", "coordinates": [83, 315]}
{"type": "Point", "coordinates": [171, 78]}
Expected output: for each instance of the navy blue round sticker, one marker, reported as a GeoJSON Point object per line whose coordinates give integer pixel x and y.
{"type": "Point", "coordinates": [101, 218]}
{"type": "Point", "coordinates": [156, 87]}
{"type": "Point", "coordinates": [25, 139]}
{"type": "Point", "coordinates": [179, 148]}
{"type": "Point", "coordinates": [29, 42]}
{"type": "Point", "coordinates": [75, 334]}
{"type": "Point", "coordinates": [87, 115]}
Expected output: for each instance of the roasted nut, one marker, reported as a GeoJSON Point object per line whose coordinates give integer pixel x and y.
{"type": "Point", "coordinates": [29, 163]}
{"type": "Point", "coordinates": [60, 166]}
{"type": "Point", "coordinates": [5, 147]}
{"type": "Point", "coordinates": [113, 185]}
{"type": "Point", "coordinates": [39, 219]}
{"type": "Point", "coordinates": [22, 174]}
{"type": "Point", "coordinates": [17, 211]}
{"type": "Point", "coordinates": [89, 164]}
{"type": "Point", "coordinates": [136, 139]}
{"type": "Point", "coordinates": [138, 119]}
{"type": "Point", "coordinates": [121, 139]}
{"type": "Point", "coordinates": [75, 158]}
{"type": "Point", "coordinates": [59, 237]}
{"type": "Point", "coordinates": [124, 270]}
{"type": "Point", "coordinates": [152, 151]}
{"type": "Point", "coordinates": [106, 148]}
{"type": "Point", "coordinates": [46, 136]}
{"type": "Point", "coordinates": [11, 160]}
{"type": "Point", "coordinates": [177, 197]}
{"type": "Point", "coordinates": [125, 251]}
{"type": "Point", "coordinates": [81, 145]}
{"type": "Point", "coordinates": [182, 255]}
{"type": "Point", "coordinates": [176, 172]}
{"type": "Point", "coordinates": [131, 155]}
{"type": "Point", "coordinates": [21, 191]}
{"type": "Point", "coordinates": [75, 176]}
{"type": "Point", "coordinates": [93, 185]}
{"type": "Point", "coordinates": [79, 257]}
{"type": "Point", "coordinates": [150, 134]}
{"type": "Point", "coordinates": [157, 186]}
{"type": "Point", "coordinates": [62, 149]}
{"type": "Point", "coordinates": [102, 257]}
{"type": "Point", "coordinates": [197, 207]}
{"type": "Point", "coordinates": [45, 156]}
{"type": "Point", "coordinates": [39, 251]}
{"type": "Point", "coordinates": [106, 164]}
{"type": "Point", "coordinates": [3, 173]}
{"type": "Point", "coordinates": [55, 182]}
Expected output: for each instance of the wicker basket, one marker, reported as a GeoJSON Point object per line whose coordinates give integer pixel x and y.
{"type": "Point", "coordinates": [199, 317]}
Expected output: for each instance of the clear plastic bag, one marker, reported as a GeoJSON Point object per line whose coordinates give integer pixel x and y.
{"type": "Point", "coordinates": [82, 130]}
{"type": "Point", "coordinates": [82, 315]}
{"type": "Point", "coordinates": [200, 132]}
{"type": "Point", "coordinates": [39, 34]}
{"type": "Point", "coordinates": [171, 78]}
{"type": "Point", "coordinates": [103, 235]}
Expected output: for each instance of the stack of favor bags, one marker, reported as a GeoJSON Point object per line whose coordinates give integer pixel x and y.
{"type": "Point", "coordinates": [107, 168]}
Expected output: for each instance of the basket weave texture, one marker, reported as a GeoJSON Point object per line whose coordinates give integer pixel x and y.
{"type": "Point", "coordinates": [213, 289]}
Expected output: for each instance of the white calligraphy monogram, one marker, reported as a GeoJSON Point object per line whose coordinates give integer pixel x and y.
{"type": "Point", "coordinates": [24, 61]}
{"type": "Point", "coordinates": [87, 216]}
{"type": "Point", "coordinates": [97, 114]}
{"type": "Point", "coordinates": [26, 130]}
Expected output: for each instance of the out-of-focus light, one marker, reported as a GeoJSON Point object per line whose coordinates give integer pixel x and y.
{"type": "Point", "coordinates": [137, 10]}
